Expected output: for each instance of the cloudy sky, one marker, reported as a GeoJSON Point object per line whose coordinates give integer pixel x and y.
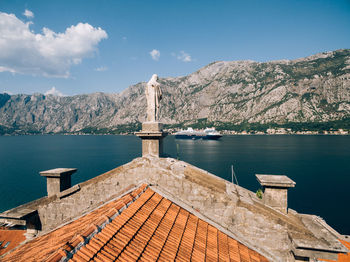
{"type": "Point", "coordinates": [83, 46]}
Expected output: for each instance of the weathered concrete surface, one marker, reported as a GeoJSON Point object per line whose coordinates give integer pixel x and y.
{"type": "Point", "coordinates": [152, 126]}
{"type": "Point", "coordinates": [58, 179]}
{"type": "Point", "coordinates": [320, 230]}
{"type": "Point", "coordinates": [276, 190]}
{"type": "Point", "coordinates": [276, 198]}
{"type": "Point", "coordinates": [152, 145]}
{"type": "Point", "coordinates": [234, 208]}
{"type": "Point", "coordinates": [275, 180]}
{"type": "Point", "coordinates": [152, 138]}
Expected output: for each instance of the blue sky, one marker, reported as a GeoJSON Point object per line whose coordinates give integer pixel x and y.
{"type": "Point", "coordinates": [90, 46]}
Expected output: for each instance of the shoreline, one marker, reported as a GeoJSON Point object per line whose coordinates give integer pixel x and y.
{"type": "Point", "coordinates": [238, 134]}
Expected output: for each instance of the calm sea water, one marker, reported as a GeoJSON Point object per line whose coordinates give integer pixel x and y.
{"type": "Point", "coordinates": [320, 165]}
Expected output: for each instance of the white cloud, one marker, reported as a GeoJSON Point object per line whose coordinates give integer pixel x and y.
{"type": "Point", "coordinates": [48, 54]}
{"type": "Point", "coordinates": [183, 56]}
{"type": "Point", "coordinates": [155, 54]}
{"type": "Point", "coordinates": [29, 14]}
{"type": "Point", "coordinates": [101, 68]}
{"type": "Point", "coordinates": [124, 38]}
{"type": "Point", "coordinates": [5, 69]}
{"type": "Point", "coordinates": [53, 91]}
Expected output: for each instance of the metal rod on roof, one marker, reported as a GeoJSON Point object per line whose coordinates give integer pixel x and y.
{"type": "Point", "coordinates": [177, 151]}
{"type": "Point", "coordinates": [233, 175]}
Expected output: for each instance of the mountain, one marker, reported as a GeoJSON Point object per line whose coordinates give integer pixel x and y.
{"type": "Point", "coordinates": [311, 89]}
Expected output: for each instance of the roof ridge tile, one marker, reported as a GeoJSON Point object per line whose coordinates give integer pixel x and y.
{"type": "Point", "coordinates": [141, 225]}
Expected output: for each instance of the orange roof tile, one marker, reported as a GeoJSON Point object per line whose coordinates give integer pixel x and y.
{"type": "Point", "coordinates": [151, 228]}
{"type": "Point", "coordinates": [9, 239]}
{"type": "Point", "coordinates": [40, 248]}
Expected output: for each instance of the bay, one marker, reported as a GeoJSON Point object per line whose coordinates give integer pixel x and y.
{"type": "Point", "coordinates": [320, 165]}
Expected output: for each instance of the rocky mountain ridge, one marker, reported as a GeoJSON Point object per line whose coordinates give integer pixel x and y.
{"type": "Point", "coordinates": [311, 89]}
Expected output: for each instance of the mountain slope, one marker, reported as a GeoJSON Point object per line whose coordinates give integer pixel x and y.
{"type": "Point", "coordinates": [311, 89]}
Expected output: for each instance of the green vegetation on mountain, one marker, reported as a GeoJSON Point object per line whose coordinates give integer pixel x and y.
{"type": "Point", "coordinates": [258, 127]}
{"type": "Point", "coordinates": [311, 93]}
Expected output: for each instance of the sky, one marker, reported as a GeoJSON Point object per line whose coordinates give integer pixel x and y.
{"type": "Point", "coordinates": [84, 46]}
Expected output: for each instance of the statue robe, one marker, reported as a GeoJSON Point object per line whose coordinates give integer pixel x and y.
{"type": "Point", "coordinates": [153, 95]}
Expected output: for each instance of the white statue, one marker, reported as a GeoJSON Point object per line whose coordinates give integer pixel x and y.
{"type": "Point", "coordinates": [153, 95]}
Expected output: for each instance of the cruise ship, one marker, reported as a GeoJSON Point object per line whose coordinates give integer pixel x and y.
{"type": "Point", "coordinates": [208, 133]}
{"type": "Point", "coordinates": [211, 133]}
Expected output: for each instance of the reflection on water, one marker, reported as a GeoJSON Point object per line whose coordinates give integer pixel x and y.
{"type": "Point", "coordinates": [318, 164]}
{"type": "Point", "coordinates": [188, 148]}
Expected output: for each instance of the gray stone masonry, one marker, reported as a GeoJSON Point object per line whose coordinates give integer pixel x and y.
{"type": "Point", "coordinates": [237, 210]}
{"type": "Point", "coordinates": [58, 179]}
{"type": "Point", "coordinates": [152, 138]}
{"type": "Point", "coordinates": [152, 126]}
{"type": "Point", "coordinates": [276, 190]}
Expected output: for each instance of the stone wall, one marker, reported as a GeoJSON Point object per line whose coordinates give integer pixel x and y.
{"type": "Point", "coordinates": [192, 185]}
{"type": "Point", "coordinates": [234, 208]}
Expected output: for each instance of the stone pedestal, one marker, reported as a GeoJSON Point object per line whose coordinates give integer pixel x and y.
{"type": "Point", "coordinates": [58, 179]}
{"type": "Point", "coordinates": [276, 190]}
{"type": "Point", "coordinates": [152, 138]}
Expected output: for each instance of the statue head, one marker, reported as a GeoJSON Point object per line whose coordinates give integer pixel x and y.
{"type": "Point", "coordinates": [155, 76]}
{"type": "Point", "coordinates": [153, 80]}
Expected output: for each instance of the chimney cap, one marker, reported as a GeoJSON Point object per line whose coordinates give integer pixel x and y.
{"type": "Point", "coordinates": [280, 181]}
{"type": "Point", "coordinates": [58, 172]}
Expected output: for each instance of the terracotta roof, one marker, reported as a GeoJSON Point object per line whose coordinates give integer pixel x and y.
{"type": "Point", "coordinates": [42, 247]}
{"type": "Point", "coordinates": [9, 239]}
{"type": "Point", "coordinates": [344, 257]}
{"type": "Point", "coordinates": [150, 228]}
{"type": "Point", "coordinates": [341, 257]}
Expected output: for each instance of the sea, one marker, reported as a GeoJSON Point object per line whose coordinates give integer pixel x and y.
{"type": "Point", "coordinates": [319, 164]}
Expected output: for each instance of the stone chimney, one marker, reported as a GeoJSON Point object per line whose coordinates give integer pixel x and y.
{"type": "Point", "coordinates": [152, 138]}
{"type": "Point", "coordinates": [58, 179]}
{"type": "Point", "coordinates": [276, 190]}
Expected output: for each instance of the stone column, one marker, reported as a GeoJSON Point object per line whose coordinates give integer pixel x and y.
{"type": "Point", "coordinates": [276, 190]}
{"type": "Point", "coordinates": [152, 138]}
{"type": "Point", "coordinates": [58, 179]}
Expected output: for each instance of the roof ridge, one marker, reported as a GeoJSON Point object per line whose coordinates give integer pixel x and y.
{"type": "Point", "coordinates": [71, 247]}
{"type": "Point", "coordinates": [142, 224]}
